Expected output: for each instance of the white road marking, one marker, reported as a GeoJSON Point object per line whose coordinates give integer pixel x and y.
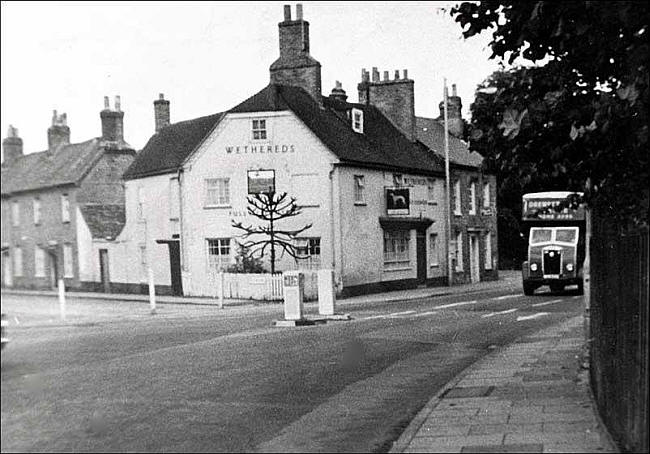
{"type": "Point", "coordinates": [492, 314]}
{"type": "Point", "coordinates": [422, 314]}
{"type": "Point", "coordinates": [463, 303]}
{"type": "Point", "coordinates": [505, 297]}
{"type": "Point", "coordinates": [395, 314]}
{"type": "Point", "coordinates": [530, 317]}
{"type": "Point", "coordinates": [374, 317]}
{"type": "Point", "coordinates": [547, 303]}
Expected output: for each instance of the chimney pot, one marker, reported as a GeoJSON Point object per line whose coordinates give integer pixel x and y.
{"type": "Point", "coordinates": [161, 96]}
{"type": "Point", "coordinates": [375, 74]}
{"type": "Point", "coordinates": [453, 90]}
{"type": "Point", "coordinates": [117, 103]}
{"type": "Point", "coordinates": [299, 11]}
{"type": "Point", "coordinates": [397, 74]}
{"type": "Point", "coordinates": [406, 74]}
{"type": "Point", "coordinates": [106, 104]}
{"type": "Point", "coordinates": [12, 146]}
{"type": "Point", "coordinates": [58, 134]}
{"type": "Point", "coordinates": [12, 132]}
{"type": "Point", "coordinates": [161, 112]}
{"type": "Point", "coordinates": [287, 12]}
{"type": "Point", "coordinates": [385, 75]}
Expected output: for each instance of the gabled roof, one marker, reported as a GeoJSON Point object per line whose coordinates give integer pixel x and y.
{"type": "Point", "coordinates": [104, 221]}
{"type": "Point", "coordinates": [66, 165]}
{"type": "Point", "coordinates": [432, 133]}
{"type": "Point", "coordinates": [167, 149]}
{"type": "Point", "coordinates": [381, 144]}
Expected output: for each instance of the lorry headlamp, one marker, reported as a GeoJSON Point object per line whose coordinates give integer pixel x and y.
{"type": "Point", "coordinates": [533, 266]}
{"type": "Point", "coordinates": [569, 266]}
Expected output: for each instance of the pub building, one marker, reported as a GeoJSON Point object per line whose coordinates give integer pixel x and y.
{"type": "Point", "coordinates": [373, 192]}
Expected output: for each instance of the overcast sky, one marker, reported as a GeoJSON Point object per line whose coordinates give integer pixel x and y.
{"type": "Point", "coordinates": [208, 57]}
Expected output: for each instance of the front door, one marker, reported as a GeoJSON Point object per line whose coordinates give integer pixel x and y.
{"type": "Point", "coordinates": [421, 254]}
{"type": "Point", "coordinates": [54, 269]}
{"type": "Point", "coordinates": [175, 267]}
{"type": "Point", "coordinates": [104, 271]}
{"type": "Point", "coordinates": [475, 274]}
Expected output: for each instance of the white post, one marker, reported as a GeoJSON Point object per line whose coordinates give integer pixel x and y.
{"type": "Point", "coordinates": [62, 298]}
{"type": "Point", "coordinates": [152, 291]}
{"type": "Point", "coordinates": [450, 271]}
{"type": "Point", "coordinates": [326, 292]}
{"type": "Point", "coordinates": [221, 283]}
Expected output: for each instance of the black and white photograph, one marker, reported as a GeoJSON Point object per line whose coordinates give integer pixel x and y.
{"type": "Point", "coordinates": [387, 227]}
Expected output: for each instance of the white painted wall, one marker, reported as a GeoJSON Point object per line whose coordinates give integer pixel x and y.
{"type": "Point", "coordinates": [87, 271]}
{"type": "Point", "coordinates": [301, 163]}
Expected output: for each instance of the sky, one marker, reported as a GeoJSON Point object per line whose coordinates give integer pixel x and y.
{"type": "Point", "coordinates": [207, 57]}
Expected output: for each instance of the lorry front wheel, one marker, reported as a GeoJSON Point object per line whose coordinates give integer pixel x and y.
{"type": "Point", "coordinates": [529, 289]}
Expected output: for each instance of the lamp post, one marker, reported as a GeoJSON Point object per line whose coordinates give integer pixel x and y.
{"type": "Point", "coordinates": [447, 188]}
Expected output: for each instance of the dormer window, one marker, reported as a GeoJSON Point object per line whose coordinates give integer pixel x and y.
{"type": "Point", "coordinates": [259, 129]}
{"type": "Point", "coordinates": [357, 120]}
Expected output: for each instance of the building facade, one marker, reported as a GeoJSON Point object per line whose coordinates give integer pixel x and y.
{"type": "Point", "coordinates": [372, 190]}
{"type": "Point", "coordinates": [61, 206]}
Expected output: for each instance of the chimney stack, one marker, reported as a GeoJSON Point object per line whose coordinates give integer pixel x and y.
{"type": "Point", "coordinates": [296, 66]}
{"type": "Point", "coordinates": [161, 112]}
{"type": "Point", "coordinates": [394, 98]}
{"type": "Point", "coordinates": [454, 114]}
{"type": "Point", "coordinates": [338, 93]}
{"type": "Point", "coordinates": [12, 146]}
{"type": "Point", "coordinates": [59, 133]}
{"type": "Point", "coordinates": [112, 122]}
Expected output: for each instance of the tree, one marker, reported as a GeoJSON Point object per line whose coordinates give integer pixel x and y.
{"type": "Point", "coordinates": [271, 208]}
{"type": "Point", "coordinates": [579, 121]}
{"type": "Point", "coordinates": [245, 262]}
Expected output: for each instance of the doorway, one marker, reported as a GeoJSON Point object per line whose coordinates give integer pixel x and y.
{"type": "Point", "coordinates": [475, 274]}
{"type": "Point", "coordinates": [174, 265]}
{"type": "Point", "coordinates": [104, 270]}
{"type": "Point", "coordinates": [421, 256]}
{"type": "Point", "coordinates": [54, 268]}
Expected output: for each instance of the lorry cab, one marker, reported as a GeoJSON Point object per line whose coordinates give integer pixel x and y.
{"type": "Point", "coordinates": [555, 228]}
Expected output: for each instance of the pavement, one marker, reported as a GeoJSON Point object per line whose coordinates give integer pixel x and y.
{"type": "Point", "coordinates": [531, 396]}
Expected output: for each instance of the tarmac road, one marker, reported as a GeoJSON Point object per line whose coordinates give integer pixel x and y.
{"type": "Point", "coordinates": [199, 379]}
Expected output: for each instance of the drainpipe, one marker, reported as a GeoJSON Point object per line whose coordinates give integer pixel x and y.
{"type": "Point", "coordinates": [332, 229]}
{"type": "Point", "coordinates": [180, 221]}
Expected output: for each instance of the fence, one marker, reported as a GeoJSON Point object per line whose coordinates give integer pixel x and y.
{"type": "Point", "coordinates": [619, 332]}
{"type": "Point", "coordinates": [265, 287]}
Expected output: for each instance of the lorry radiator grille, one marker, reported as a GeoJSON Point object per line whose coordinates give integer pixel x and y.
{"type": "Point", "coordinates": [552, 261]}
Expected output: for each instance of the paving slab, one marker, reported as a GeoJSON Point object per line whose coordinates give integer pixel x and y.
{"type": "Point", "coordinates": [530, 396]}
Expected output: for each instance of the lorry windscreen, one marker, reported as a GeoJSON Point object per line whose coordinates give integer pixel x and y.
{"type": "Point", "coordinates": [540, 235]}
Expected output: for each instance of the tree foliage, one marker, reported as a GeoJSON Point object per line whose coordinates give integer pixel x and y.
{"type": "Point", "coordinates": [271, 208]}
{"type": "Point", "coordinates": [579, 121]}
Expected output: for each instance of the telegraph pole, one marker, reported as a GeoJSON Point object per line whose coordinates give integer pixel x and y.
{"type": "Point", "coordinates": [447, 189]}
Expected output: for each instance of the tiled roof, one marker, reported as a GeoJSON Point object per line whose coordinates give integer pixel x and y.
{"type": "Point", "coordinates": [104, 221]}
{"type": "Point", "coordinates": [381, 143]}
{"type": "Point", "coordinates": [431, 132]}
{"type": "Point", "coordinates": [66, 165]}
{"type": "Point", "coordinates": [167, 149]}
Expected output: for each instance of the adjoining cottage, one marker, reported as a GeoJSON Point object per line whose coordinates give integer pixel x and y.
{"type": "Point", "coordinates": [63, 207]}
{"type": "Point", "coordinates": [372, 189]}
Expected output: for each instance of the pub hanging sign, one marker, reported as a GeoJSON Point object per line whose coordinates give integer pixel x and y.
{"type": "Point", "coordinates": [397, 201]}
{"type": "Point", "coordinates": [261, 181]}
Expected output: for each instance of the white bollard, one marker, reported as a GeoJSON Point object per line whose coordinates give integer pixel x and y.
{"type": "Point", "coordinates": [326, 292]}
{"type": "Point", "coordinates": [62, 298]}
{"type": "Point", "coordinates": [221, 283]}
{"type": "Point", "coordinates": [152, 291]}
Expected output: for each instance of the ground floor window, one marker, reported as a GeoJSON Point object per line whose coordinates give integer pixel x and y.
{"type": "Point", "coordinates": [39, 261]}
{"type": "Point", "coordinates": [396, 247]}
{"type": "Point", "coordinates": [488, 251]}
{"type": "Point", "coordinates": [218, 253]}
{"type": "Point", "coordinates": [309, 251]}
{"type": "Point", "coordinates": [433, 249]}
{"type": "Point", "coordinates": [18, 262]}
{"type": "Point", "coordinates": [68, 269]}
{"type": "Point", "coordinates": [456, 251]}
